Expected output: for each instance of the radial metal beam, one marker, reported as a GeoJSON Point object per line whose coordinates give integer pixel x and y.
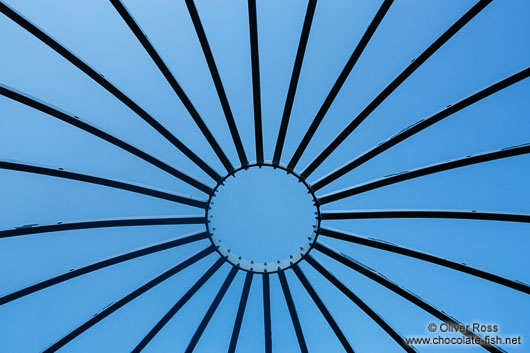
{"type": "Point", "coordinates": [61, 173]}
{"type": "Point", "coordinates": [100, 223]}
{"type": "Point", "coordinates": [256, 86]}
{"type": "Point", "coordinates": [240, 312]}
{"type": "Point", "coordinates": [214, 72]}
{"type": "Point", "coordinates": [211, 310]}
{"type": "Point", "coordinates": [372, 27]}
{"type": "Point", "coordinates": [293, 84]}
{"type": "Point", "coordinates": [128, 298]}
{"type": "Point", "coordinates": [267, 312]}
{"type": "Point", "coordinates": [93, 130]}
{"type": "Point", "coordinates": [322, 307]}
{"type": "Point", "coordinates": [405, 293]}
{"type": "Point", "coordinates": [164, 69]}
{"type": "Point", "coordinates": [420, 255]}
{"type": "Point", "coordinates": [432, 169]}
{"type": "Point", "coordinates": [438, 43]}
{"type": "Point", "coordinates": [420, 126]}
{"type": "Point", "coordinates": [73, 273]}
{"type": "Point", "coordinates": [472, 214]}
{"type": "Point", "coordinates": [107, 85]}
{"type": "Point", "coordinates": [175, 308]}
{"type": "Point", "coordinates": [292, 312]}
{"type": "Point", "coordinates": [361, 304]}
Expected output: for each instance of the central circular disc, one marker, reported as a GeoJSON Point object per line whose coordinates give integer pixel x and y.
{"type": "Point", "coordinates": [263, 219]}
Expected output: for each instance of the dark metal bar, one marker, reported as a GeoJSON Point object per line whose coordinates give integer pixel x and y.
{"type": "Point", "coordinates": [175, 308]}
{"type": "Point", "coordinates": [157, 59]}
{"type": "Point", "coordinates": [267, 312]}
{"type": "Point", "coordinates": [292, 312]}
{"type": "Point", "coordinates": [100, 223]}
{"type": "Point", "coordinates": [61, 173]}
{"type": "Point", "coordinates": [211, 310]}
{"type": "Point", "coordinates": [384, 245]}
{"type": "Point", "coordinates": [432, 169]}
{"type": "Point", "coordinates": [405, 293]}
{"type": "Point", "coordinates": [256, 87]}
{"type": "Point", "coordinates": [103, 82]}
{"type": "Point", "coordinates": [361, 304]}
{"type": "Point", "coordinates": [128, 298]}
{"type": "Point", "coordinates": [240, 312]}
{"type": "Point", "coordinates": [293, 84]}
{"type": "Point", "coordinates": [356, 54]}
{"type": "Point", "coordinates": [419, 126]}
{"type": "Point", "coordinates": [151, 249]}
{"type": "Point", "coordinates": [93, 130]}
{"type": "Point", "coordinates": [322, 307]}
{"type": "Point", "coordinates": [468, 16]}
{"type": "Point", "coordinates": [217, 81]}
{"type": "Point", "coordinates": [370, 214]}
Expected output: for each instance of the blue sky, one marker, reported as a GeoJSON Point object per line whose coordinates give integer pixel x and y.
{"type": "Point", "coordinates": [491, 47]}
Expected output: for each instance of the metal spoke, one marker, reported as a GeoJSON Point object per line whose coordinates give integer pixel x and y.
{"type": "Point", "coordinates": [292, 312]}
{"type": "Point", "coordinates": [151, 249]}
{"type": "Point", "coordinates": [361, 304]}
{"type": "Point", "coordinates": [100, 223]}
{"type": "Point", "coordinates": [164, 69]}
{"type": "Point", "coordinates": [211, 310]}
{"type": "Point", "coordinates": [267, 312]}
{"type": "Point", "coordinates": [384, 245]}
{"type": "Point", "coordinates": [420, 126]}
{"type": "Point", "coordinates": [432, 169]}
{"type": "Point", "coordinates": [293, 84]}
{"type": "Point", "coordinates": [91, 129]}
{"type": "Point", "coordinates": [217, 81]}
{"type": "Point", "coordinates": [468, 16]}
{"type": "Point", "coordinates": [370, 214]}
{"type": "Point", "coordinates": [322, 307]}
{"type": "Point", "coordinates": [356, 54]}
{"type": "Point", "coordinates": [129, 297]}
{"type": "Point", "coordinates": [405, 293]}
{"type": "Point", "coordinates": [240, 312]}
{"type": "Point", "coordinates": [61, 173]}
{"type": "Point", "coordinates": [256, 89]}
{"type": "Point", "coordinates": [175, 308]}
{"type": "Point", "coordinates": [103, 82]}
